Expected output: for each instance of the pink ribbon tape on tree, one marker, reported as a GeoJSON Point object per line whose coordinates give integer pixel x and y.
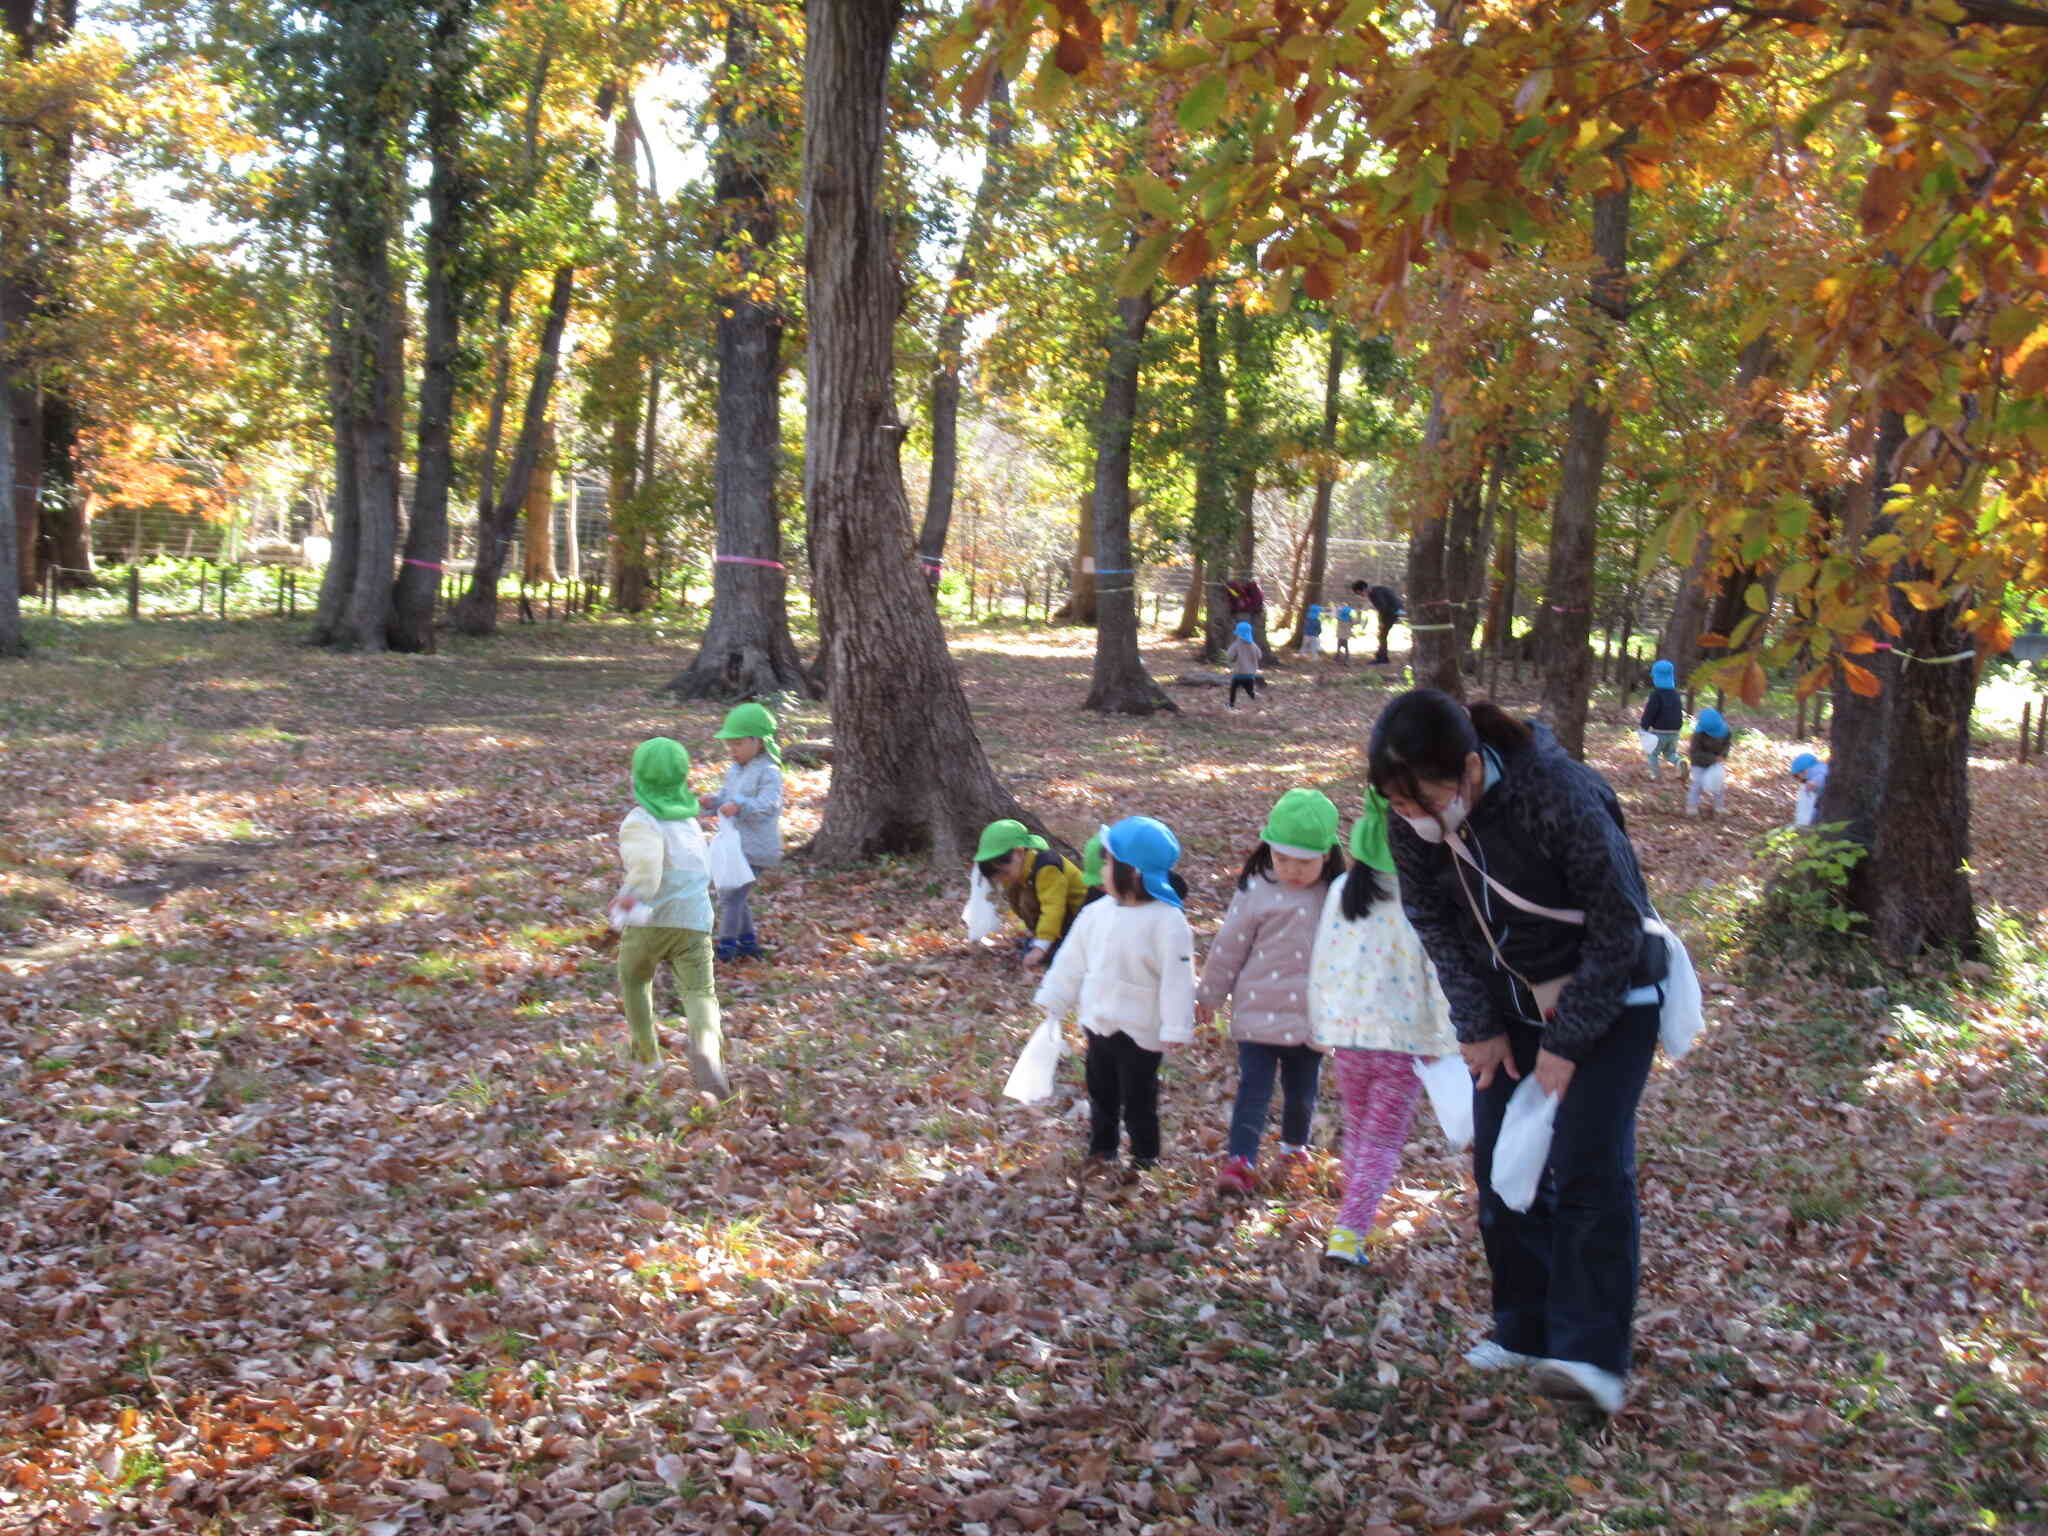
{"type": "Point", "coordinates": [425, 565]}
{"type": "Point", "coordinates": [771, 565]}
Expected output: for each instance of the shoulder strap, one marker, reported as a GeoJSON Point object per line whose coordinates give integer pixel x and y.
{"type": "Point", "coordinates": [1571, 915]}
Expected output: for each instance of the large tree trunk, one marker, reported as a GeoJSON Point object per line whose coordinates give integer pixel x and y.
{"type": "Point", "coordinates": [448, 208]}
{"type": "Point", "coordinates": [24, 409]}
{"type": "Point", "coordinates": [537, 560]}
{"type": "Point", "coordinates": [1568, 658]}
{"type": "Point", "coordinates": [1326, 480]}
{"type": "Point", "coordinates": [1680, 643]}
{"type": "Point", "coordinates": [378, 393]}
{"type": "Point", "coordinates": [1432, 638]}
{"type": "Point", "coordinates": [632, 583]}
{"type": "Point", "coordinates": [952, 339]}
{"type": "Point", "coordinates": [1121, 685]}
{"type": "Point", "coordinates": [1081, 606]}
{"type": "Point", "coordinates": [476, 613]}
{"type": "Point", "coordinates": [747, 650]}
{"type": "Point", "coordinates": [1191, 605]}
{"type": "Point", "coordinates": [572, 535]}
{"type": "Point", "coordinates": [908, 773]}
{"type": "Point", "coordinates": [338, 580]}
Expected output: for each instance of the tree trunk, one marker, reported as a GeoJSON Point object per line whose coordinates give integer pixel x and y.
{"type": "Point", "coordinates": [338, 580]}
{"type": "Point", "coordinates": [1680, 643]}
{"type": "Point", "coordinates": [537, 563]}
{"type": "Point", "coordinates": [1215, 511]}
{"type": "Point", "coordinates": [376, 393]}
{"type": "Point", "coordinates": [1191, 605]}
{"type": "Point", "coordinates": [747, 650]}
{"type": "Point", "coordinates": [1121, 685]}
{"type": "Point", "coordinates": [952, 339]}
{"type": "Point", "coordinates": [1568, 661]}
{"type": "Point", "coordinates": [628, 541]}
{"type": "Point", "coordinates": [1464, 567]}
{"type": "Point", "coordinates": [448, 217]}
{"type": "Point", "coordinates": [477, 611]}
{"type": "Point", "coordinates": [1500, 621]}
{"type": "Point", "coordinates": [1326, 480]}
{"type": "Point", "coordinates": [11, 642]}
{"type": "Point", "coordinates": [24, 410]}
{"type": "Point", "coordinates": [67, 512]}
{"type": "Point", "coordinates": [572, 535]}
{"type": "Point", "coordinates": [908, 773]}
{"type": "Point", "coordinates": [1432, 640]}
{"type": "Point", "coordinates": [1081, 606]}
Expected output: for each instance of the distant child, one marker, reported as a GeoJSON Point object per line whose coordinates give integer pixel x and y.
{"type": "Point", "coordinates": [1347, 620]}
{"type": "Point", "coordinates": [1244, 663]}
{"type": "Point", "coordinates": [1260, 961]}
{"type": "Point", "coordinates": [1375, 1003]}
{"type": "Point", "coordinates": [1812, 775]}
{"type": "Point", "coordinates": [1663, 717]}
{"type": "Point", "coordinates": [663, 911]}
{"type": "Point", "coordinates": [1045, 890]}
{"type": "Point", "coordinates": [752, 797]}
{"type": "Point", "coordinates": [1709, 754]}
{"type": "Point", "coordinates": [1312, 629]}
{"type": "Point", "coordinates": [1128, 968]}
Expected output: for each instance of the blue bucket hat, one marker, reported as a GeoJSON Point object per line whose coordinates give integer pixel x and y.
{"type": "Point", "coordinates": [1664, 675]}
{"type": "Point", "coordinates": [1711, 723]}
{"type": "Point", "coordinates": [1805, 763]}
{"type": "Point", "coordinates": [1244, 629]}
{"type": "Point", "coordinates": [1150, 848]}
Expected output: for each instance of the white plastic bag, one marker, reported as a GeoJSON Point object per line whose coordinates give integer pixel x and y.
{"type": "Point", "coordinates": [629, 911]}
{"type": "Point", "coordinates": [1805, 808]}
{"type": "Point", "coordinates": [1713, 780]}
{"type": "Point", "coordinates": [980, 914]}
{"type": "Point", "coordinates": [1648, 739]}
{"type": "Point", "coordinates": [727, 859]}
{"type": "Point", "coordinates": [1031, 1079]}
{"type": "Point", "coordinates": [1448, 1082]}
{"type": "Point", "coordinates": [1522, 1150]}
{"type": "Point", "coordinates": [1684, 1010]}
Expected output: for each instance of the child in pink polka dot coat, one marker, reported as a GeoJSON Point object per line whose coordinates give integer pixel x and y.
{"type": "Point", "coordinates": [1260, 962]}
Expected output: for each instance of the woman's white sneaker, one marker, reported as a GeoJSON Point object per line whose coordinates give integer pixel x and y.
{"type": "Point", "coordinates": [1573, 1381]}
{"type": "Point", "coordinates": [1489, 1356]}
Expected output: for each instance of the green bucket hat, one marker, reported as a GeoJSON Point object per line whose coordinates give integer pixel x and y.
{"type": "Point", "coordinates": [1303, 823]}
{"type": "Point", "coordinates": [1369, 834]}
{"type": "Point", "coordinates": [1091, 860]}
{"type": "Point", "coordinates": [1001, 837]}
{"type": "Point", "coordinates": [661, 779]}
{"type": "Point", "coordinates": [744, 720]}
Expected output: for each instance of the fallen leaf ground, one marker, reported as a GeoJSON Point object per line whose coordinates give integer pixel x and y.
{"type": "Point", "coordinates": [326, 1205]}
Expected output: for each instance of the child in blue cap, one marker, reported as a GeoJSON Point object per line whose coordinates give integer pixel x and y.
{"type": "Point", "coordinates": [1663, 717]}
{"type": "Point", "coordinates": [1347, 621]}
{"type": "Point", "coordinates": [1128, 968]}
{"type": "Point", "coordinates": [1244, 662]}
{"type": "Point", "coordinates": [1709, 754]}
{"type": "Point", "coordinates": [1812, 775]}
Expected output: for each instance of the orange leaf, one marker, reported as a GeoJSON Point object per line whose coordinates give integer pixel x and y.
{"type": "Point", "coordinates": [1859, 645]}
{"type": "Point", "coordinates": [1070, 54]}
{"type": "Point", "coordinates": [1754, 686]}
{"type": "Point", "coordinates": [1319, 282]}
{"type": "Point", "coordinates": [1190, 259]}
{"type": "Point", "coordinates": [1862, 681]}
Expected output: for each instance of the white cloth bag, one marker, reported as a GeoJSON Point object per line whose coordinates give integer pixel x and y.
{"type": "Point", "coordinates": [1448, 1082]}
{"type": "Point", "coordinates": [727, 859]}
{"type": "Point", "coordinates": [1038, 1064]}
{"type": "Point", "coordinates": [1678, 1025]}
{"type": "Point", "coordinates": [1522, 1150]}
{"type": "Point", "coordinates": [980, 914]}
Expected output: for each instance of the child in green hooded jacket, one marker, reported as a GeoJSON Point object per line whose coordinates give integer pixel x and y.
{"type": "Point", "coordinates": [663, 911]}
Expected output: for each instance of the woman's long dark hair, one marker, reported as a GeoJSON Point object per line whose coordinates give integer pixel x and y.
{"type": "Point", "coordinates": [1260, 862]}
{"type": "Point", "coordinates": [1427, 734]}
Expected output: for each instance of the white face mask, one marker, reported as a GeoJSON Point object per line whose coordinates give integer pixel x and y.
{"type": "Point", "coordinates": [1434, 829]}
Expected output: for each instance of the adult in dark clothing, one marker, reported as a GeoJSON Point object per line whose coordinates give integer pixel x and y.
{"type": "Point", "coordinates": [1486, 805]}
{"type": "Point", "coordinates": [1247, 599]}
{"type": "Point", "coordinates": [1386, 602]}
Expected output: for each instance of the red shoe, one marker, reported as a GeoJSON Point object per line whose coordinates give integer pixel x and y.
{"type": "Point", "coordinates": [1236, 1177]}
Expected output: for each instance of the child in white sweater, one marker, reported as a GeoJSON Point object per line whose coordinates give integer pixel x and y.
{"type": "Point", "coordinates": [1127, 966]}
{"type": "Point", "coordinates": [1375, 1003]}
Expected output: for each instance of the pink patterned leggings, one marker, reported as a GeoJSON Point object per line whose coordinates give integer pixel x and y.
{"type": "Point", "coordinates": [1380, 1090]}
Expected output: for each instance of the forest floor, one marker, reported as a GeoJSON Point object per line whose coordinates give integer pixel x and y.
{"type": "Point", "coordinates": [325, 1205]}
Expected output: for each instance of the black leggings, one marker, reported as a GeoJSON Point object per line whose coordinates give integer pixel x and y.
{"type": "Point", "coordinates": [1123, 1095]}
{"type": "Point", "coordinates": [1250, 685]}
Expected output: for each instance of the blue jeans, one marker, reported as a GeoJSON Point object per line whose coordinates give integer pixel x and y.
{"type": "Point", "coordinates": [1299, 1068]}
{"type": "Point", "coordinates": [1565, 1270]}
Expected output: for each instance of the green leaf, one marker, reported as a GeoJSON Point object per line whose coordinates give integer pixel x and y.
{"type": "Point", "coordinates": [1204, 104]}
{"type": "Point", "coordinates": [1756, 598]}
{"type": "Point", "coordinates": [1796, 577]}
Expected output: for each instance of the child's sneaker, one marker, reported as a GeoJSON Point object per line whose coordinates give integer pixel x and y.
{"type": "Point", "coordinates": [747, 947]}
{"type": "Point", "coordinates": [1345, 1246]}
{"type": "Point", "coordinates": [727, 951]}
{"type": "Point", "coordinates": [1297, 1168]}
{"type": "Point", "coordinates": [1574, 1381]}
{"type": "Point", "coordinates": [1490, 1356]}
{"type": "Point", "coordinates": [1236, 1177]}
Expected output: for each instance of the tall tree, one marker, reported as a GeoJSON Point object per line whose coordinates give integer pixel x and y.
{"type": "Point", "coordinates": [952, 337]}
{"type": "Point", "coordinates": [1574, 529]}
{"type": "Point", "coordinates": [1326, 478]}
{"type": "Point", "coordinates": [11, 642]}
{"type": "Point", "coordinates": [1433, 648]}
{"type": "Point", "coordinates": [908, 773]}
{"type": "Point", "coordinates": [1120, 684]}
{"type": "Point", "coordinates": [1214, 524]}
{"type": "Point", "coordinates": [747, 650]}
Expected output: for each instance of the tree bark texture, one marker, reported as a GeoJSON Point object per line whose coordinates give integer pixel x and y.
{"type": "Point", "coordinates": [449, 206]}
{"type": "Point", "coordinates": [1215, 511]}
{"type": "Point", "coordinates": [952, 338]}
{"type": "Point", "coordinates": [1191, 603]}
{"type": "Point", "coordinates": [1432, 640]}
{"type": "Point", "coordinates": [537, 562]}
{"type": "Point", "coordinates": [1121, 685]}
{"type": "Point", "coordinates": [1574, 529]}
{"type": "Point", "coordinates": [377, 390]}
{"type": "Point", "coordinates": [11, 641]}
{"type": "Point", "coordinates": [909, 775]}
{"type": "Point", "coordinates": [747, 650]}
{"type": "Point", "coordinates": [344, 531]}
{"type": "Point", "coordinates": [1081, 606]}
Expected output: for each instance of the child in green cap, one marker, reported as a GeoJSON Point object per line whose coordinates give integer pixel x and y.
{"type": "Point", "coordinates": [663, 911]}
{"type": "Point", "coordinates": [1045, 890]}
{"type": "Point", "coordinates": [1376, 1006]}
{"type": "Point", "coordinates": [751, 797]}
{"type": "Point", "coordinates": [1259, 960]}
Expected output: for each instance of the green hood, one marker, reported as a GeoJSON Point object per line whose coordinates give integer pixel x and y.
{"type": "Point", "coordinates": [661, 779]}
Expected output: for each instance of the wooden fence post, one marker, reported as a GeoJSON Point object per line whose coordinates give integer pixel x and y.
{"type": "Point", "coordinates": [134, 592]}
{"type": "Point", "coordinates": [2026, 729]}
{"type": "Point", "coordinates": [221, 591]}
